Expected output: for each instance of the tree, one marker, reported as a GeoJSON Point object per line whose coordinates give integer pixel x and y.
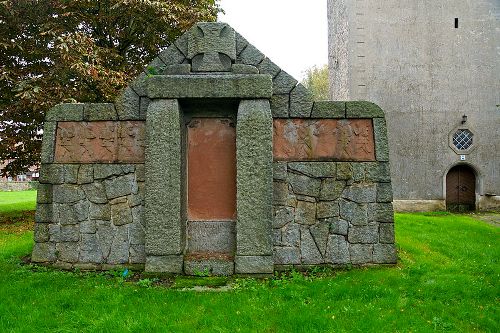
{"type": "Point", "coordinates": [316, 80]}
{"type": "Point", "coordinates": [54, 51]}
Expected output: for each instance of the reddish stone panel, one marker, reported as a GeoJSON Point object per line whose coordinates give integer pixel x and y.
{"type": "Point", "coordinates": [100, 142]}
{"type": "Point", "coordinates": [323, 139]}
{"type": "Point", "coordinates": [211, 164]}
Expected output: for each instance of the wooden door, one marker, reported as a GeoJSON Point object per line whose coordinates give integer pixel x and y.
{"type": "Point", "coordinates": [460, 189]}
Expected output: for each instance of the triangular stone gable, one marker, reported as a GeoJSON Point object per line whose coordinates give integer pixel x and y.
{"type": "Point", "coordinates": [289, 99]}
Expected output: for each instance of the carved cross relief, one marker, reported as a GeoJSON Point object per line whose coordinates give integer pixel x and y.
{"type": "Point", "coordinates": [212, 47]}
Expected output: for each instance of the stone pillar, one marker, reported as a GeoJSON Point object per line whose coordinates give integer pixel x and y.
{"type": "Point", "coordinates": [164, 241]}
{"type": "Point", "coordinates": [254, 173]}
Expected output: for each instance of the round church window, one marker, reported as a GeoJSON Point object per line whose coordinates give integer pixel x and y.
{"type": "Point", "coordinates": [462, 139]}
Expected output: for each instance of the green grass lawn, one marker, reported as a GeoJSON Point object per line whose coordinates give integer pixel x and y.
{"type": "Point", "coordinates": [447, 279]}
{"type": "Point", "coordinates": [17, 201]}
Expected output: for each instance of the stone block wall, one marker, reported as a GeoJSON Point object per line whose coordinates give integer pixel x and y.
{"type": "Point", "coordinates": [90, 215]}
{"type": "Point", "coordinates": [332, 213]}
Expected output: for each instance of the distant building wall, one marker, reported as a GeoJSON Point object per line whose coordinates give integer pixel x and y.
{"type": "Point", "coordinates": [426, 63]}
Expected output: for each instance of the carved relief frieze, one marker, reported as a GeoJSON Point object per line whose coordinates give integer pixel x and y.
{"type": "Point", "coordinates": [323, 139]}
{"type": "Point", "coordinates": [100, 142]}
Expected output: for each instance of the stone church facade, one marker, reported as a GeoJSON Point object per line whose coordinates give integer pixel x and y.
{"type": "Point", "coordinates": [434, 67]}
{"type": "Point", "coordinates": [214, 160]}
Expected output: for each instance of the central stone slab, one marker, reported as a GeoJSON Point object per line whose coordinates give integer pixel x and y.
{"type": "Point", "coordinates": [211, 164]}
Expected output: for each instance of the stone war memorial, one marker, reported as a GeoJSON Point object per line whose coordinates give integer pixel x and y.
{"type": "Point", "coordinates": [214, 160]}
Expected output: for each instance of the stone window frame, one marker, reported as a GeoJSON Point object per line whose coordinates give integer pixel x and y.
{"type": "Point", "coordinates": [462, 151]}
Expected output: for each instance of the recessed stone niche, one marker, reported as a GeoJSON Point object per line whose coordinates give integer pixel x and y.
{"type": "Point", "coordinates": [214, 160]}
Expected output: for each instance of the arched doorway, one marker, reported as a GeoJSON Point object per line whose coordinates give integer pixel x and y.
{"type": "Point", "coordinates": [461, 189]}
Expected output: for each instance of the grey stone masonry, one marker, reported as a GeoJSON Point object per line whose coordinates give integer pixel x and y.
{"type": "Point", "coordinates": [125, 203]}
{"type": "Point", "coordinates": [341, 211]}
{"type": "Point", "coordinates": [163, 182]}
{"type": "Point", "coordinates": [76, 223]}
{"type": "Point", "coordinates": [254, 185]}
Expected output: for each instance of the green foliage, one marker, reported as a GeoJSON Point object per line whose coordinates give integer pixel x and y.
{"type": "Point", "coordinates": [147, 282]}
{"type": "Point", "coordinates": [81, 50]}
{"type": "Point", "coordinates": [316, 80]}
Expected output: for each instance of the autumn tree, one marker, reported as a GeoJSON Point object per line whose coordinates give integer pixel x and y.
{"type": "Point", "coordinates": [316, 80]}
{"type": "Point", "coordinates": [54, 51]}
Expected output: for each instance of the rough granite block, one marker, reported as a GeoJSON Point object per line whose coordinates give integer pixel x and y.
{"type": "Point", "coordinates": [85, 174]}
{"type": "Point", "coordinates": [283, 83]}
{"type": "Point", "coordinates": [363, 109]}
{"type": "Point", "coordinates": [361, 193]}
{"type": "Point", "coordinates": [361, 253]}
{"type": "Point", "coordinates": [363, 234]}
{"type": "Point", "coordinates": [338, 226]}
{"type": "Point", "coordinates": [286, 255]}
{"type": "Point", "coordinates": [164, 264]}
{"type": "Point", "coordinates": [51, 174]}
{"type": "Point", "coordinates": [68, 251]}
{"type": "Point", "coordinates": [304, 185]}
{"type": "Point", "coordinates": [290, 235]}
{"type": "Point", "coordinates": [41, 232]}
{"type": "Point", "coordinates": [301, 102]}
{"type": "Point", "coordinates": [344, 171]}
{"type": "Point", "coordinates": [65, 112]}
{"type": "Point", "coordinates": [266, 66]}
{"type": "Point", "coordinates": [325, 209]}
{"type": "Point", "coordinates": [280, 105]}
{"type": "Point", "coordinates": [44, 252]}
{"type": "Point", "coordinates": [315, 169]}
{"type": "Point", "coordinates": [119, 186]}
{"type": "Point", "coordinates": [320, 232]}
{"type": "Point", "coordinates": [251, 55]}
{"type": "Point", "coordinates": [171, 56]}
{"type": "Point", "coordinates": [182, 43]}
{"type": "Point", "coordinates": [353, 212]}
{"type": "Point", "coordinates": [328, 109]}
{"type": "Point", "coordinates": [282, 216]}
{"type": "Point", "coordinates": [384, 192]}
{"type": "Point", "coordinates": [128, 105]}
{"type": "Point", "coordinates": [102, 171]}
{"type": "Point", "coordinates": [244, 69]}
{"type": "Point", "coordinates": [66, 193]}
{"type": "Point", "coordinates": [254, 264]}
{"type": "Point", "coordinates": [254, 178]}
{"type": "Point", "coordinates": [384, 254]}
{"type": "Point", "coordinates": [178, 69]}
{"type": "Point", "coordinates": [44, 194]}
{"type": "Point", "coordinates": [138, 84]}
{"type": "Point", "coordinates": [99, 111]}
{"type": "Point", "coordinates": [305, 213]}
{"type": "Point", "coordinates": [337, 251]}
{"type": "Point", "coordinates": [48, 143]}
{"type": "Point", "coordinates": [163, 207]}
{"type": "Point", "coordinates": [90, 249]}
{"type": "Point", "coordinates": [309, 252]}
{"type": "Point", "coordinates": [95, 192]}
{"type": "Point", "coordinates": [381, 142]}
{"type": "Point", "coordinates": [280, 171]}
{"type": "Point", "coordinates": [241, 43]}
{"type": "Point", "coordinates": [386, 233]}
{"type": "Point", "coordinates": [384, 213]}
{"type": "Point", "coordinates": [331, 189]}
{"type": "Point", "coordinates": [202, 86]}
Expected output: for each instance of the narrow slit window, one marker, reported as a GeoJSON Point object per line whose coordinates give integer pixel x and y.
{"type": "Point", "coordinates": [456, 22]}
